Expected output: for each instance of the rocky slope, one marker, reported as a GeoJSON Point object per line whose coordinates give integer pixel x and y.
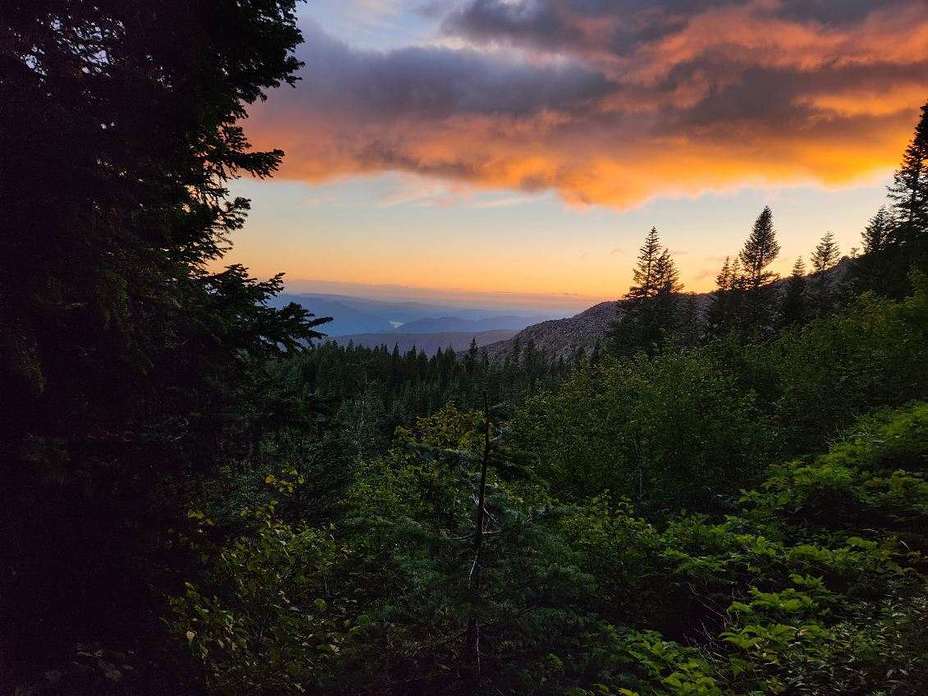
{"type": "Point", "coordinates": [562, 337]}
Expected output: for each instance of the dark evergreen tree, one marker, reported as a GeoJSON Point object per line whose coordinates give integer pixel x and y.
{"type": "Point", "coordinates": [824, 259]}
{"type": "Point", "coordinates": [878, 234]}
{"type": "Point", "coordinates": [650, 309]}
{"type": "Point", "coordinates": [666, 301]}
{"type": "Point", "coordinates": [644, 284]}
{"type": "Point", "coordinates": [909, 190]}
{"type": "Point", "coordinates": [907, 245]}
{"type": "Point", "coordinates": [122, 355]}
{"type": "Point", "coordinates": [794, 309]}
{"type": "Point", "coordinates": [825, 255]}
{"type": "Point", "coordinates": [725, 306]}
{"type": "Point", "coordinates": [760, 250]}
{"type": "Point", "coordinates": [470, 357]}
{"type": "Point", "coordinates": [873, 268]}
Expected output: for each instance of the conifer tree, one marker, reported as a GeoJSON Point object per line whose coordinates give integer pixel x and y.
{"type": "Point", "coordinates": [909, 190]}
{"type": "Point", "coordinates": [667, 284]}
{"type": "Point", "coordinates": [825, 256]}
{"type": "Point", "coordinates": [120, 132]}
{"type": "Point", "coordinates": [723, 279]}
{"type": "Point", "coordinates": [824, 259]}
{"type": "Point", "coordinates": [470, 357]}
{"type": "Point", "coordinates": [651, 304]}
{"type": "Point", "coordinates": [760, 250]}
{"type": "Point", "coordinates": [877, 235]}
{"type": "Point", "coordinates": [794, 308]}
{"type": "Point", "coordinates": [907, 246]}
{"type": "Point", "coordinates": [873, 269]}
{"type": "Point", "coordinates": [644, 273]}
{"type": "Point", "coordinates": [727, 299]}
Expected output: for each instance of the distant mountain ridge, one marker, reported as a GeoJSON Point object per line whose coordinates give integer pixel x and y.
{"type": "Point", "coordinates": [358, 315]}
{"type": "Point", "coordinates": [458, 324]}
{"type": "Point", "coordinates": [427, 342]}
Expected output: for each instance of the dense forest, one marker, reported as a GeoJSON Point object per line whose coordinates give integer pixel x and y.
{"type": "Point", "coordinates": [203, 496]}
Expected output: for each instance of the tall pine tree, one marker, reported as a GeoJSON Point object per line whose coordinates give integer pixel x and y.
{"type": "Point", "coordinates": [650, 311]}
{"type": "Point", "coordinates": [909, 189]}
{"type": "Point", "coordinates": [878, 234]}
{"type": "Point", "coordinates": [643, 277]}
{"type": "Point", "coordinates": [824, 259]}
{"type": "Point", "coordinates": [794, 308]}
{"type": "Point", "coordinates": [124, 356]}
{"type": "Point", "coordinates": [909, 195]}
{"type": "Point", "coordinates": [725, 306]}
{"type": "Point", "coordinates": [873, 269]}
{"type": "Point", "coordinates": [760, 250]}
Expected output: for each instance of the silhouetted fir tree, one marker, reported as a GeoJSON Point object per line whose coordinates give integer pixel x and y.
{"type": "Point", "coordinates": [825, 255]}
{"type": "Point", "coordinates": [824, 259]}
{"type": "Point", "coordinates": [644, 276]}
{"type": "Point", "coordinates": [909, 189]}
{"type": "Point", "coordinates": [907, 246]}
{"type": "Point", "coordinates": [470, 357]}
{"type": "Point", "coordinates": [760, 250]}
{"type": "Point", "coordinates": [667, 294]}
{"type": "Point", "coordinates": [874, 269]}
{"type": "Point", "coordinates": [727, 299]}
{"type": "Point", "coordinates": [878, 234]}
{"type": "Point", "coordinates": [650, 307]}
{"type": "Point", "coordinates": [794, 308]}
{"type": "Point", "coordinates": [122, 357]}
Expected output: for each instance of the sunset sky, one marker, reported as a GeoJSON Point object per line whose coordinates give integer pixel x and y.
{"type": "Point", "coordinates": [526, 146]}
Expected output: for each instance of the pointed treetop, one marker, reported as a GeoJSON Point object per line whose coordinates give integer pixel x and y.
{"type": "Point", "coordinates": [723, 279]}
{"type": "Point", "coordinates": [826, 254]}
{"type": "Point", "coordinates": [878, 233]}
{"type": "Point", "coordinates": [909, 190]}
{"type": "Point", "coordinates": [643, 276]}
{"type": "Point", "coordinates": [666, 276]}
{"type": "Point", "coordinates": [760, 250]}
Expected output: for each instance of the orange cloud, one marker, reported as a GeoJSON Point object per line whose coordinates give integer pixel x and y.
{"type": "Point", "coordinates": [616, 102]}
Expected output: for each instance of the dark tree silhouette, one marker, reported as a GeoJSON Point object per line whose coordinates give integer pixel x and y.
{"type": "Point", "coordinates": [760, 250]}
{"type": "Point", "coordinates": [874, 268]}
{"type": "Point", "coordinates": [794, 309]}
{"type": "Point", "coordinates": [121, 352]}
{"type": "Point", "coordinates": [725, 306]}
{"type": "Point", "coordinates": [878, 234]}
{"type": "Point", "coordinates": [825, 257]}
{"type": "Point", "coordinates": [909, 190]}
{"type": "Point", "coordinates": [650, 309]}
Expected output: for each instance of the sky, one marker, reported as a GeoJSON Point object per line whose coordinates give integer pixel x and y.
{"type": "Point", "coordinates": [502, 148]}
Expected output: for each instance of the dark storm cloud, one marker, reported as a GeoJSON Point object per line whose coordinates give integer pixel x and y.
{"type": "Point", "coordinates": [614, 101]}
{"type": "Point", "coordinates": [555, 24]}
{"type": "Point", "coordinates": [438, 82]}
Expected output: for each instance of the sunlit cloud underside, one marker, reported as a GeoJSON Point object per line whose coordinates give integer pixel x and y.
{"type": "Point", "coordinates": [613, 102]}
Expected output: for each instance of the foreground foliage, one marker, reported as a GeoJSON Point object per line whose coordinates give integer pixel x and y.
{"type": "Point", "coordinates": [814, 584]}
